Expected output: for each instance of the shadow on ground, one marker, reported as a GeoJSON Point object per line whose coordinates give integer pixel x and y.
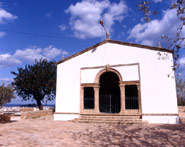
{"type": "Point", "coordinates": [135, 135]}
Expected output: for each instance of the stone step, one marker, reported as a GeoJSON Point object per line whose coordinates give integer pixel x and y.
{"type": "Point", "coordinates": [110, 117]}
{"type": "Point", "coordinates": [122, 118]}
{"type": "Point", "coordinates": [108, 121]}
{"type": "Point", "coordinates": [103, 119]}
{"type": "Point", "coordinates": [118, 119]}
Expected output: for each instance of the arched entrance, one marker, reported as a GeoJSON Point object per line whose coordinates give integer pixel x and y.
{"type": "Point", "coordinates": [109, 93]}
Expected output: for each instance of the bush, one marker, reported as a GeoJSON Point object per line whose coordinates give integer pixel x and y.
{"type": "Point", "coordinates": [5, 118]}
{"type": "Point", "coordinates": [6, 94]}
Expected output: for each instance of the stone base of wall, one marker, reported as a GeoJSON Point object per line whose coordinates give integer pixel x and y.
{"type": "Point", "coordinates": [36, 114]}
{"type": "Point", "coordinates": [4, 118]}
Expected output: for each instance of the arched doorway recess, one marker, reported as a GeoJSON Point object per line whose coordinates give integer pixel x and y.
{"type": "Point", "coordinates": [109, 93]}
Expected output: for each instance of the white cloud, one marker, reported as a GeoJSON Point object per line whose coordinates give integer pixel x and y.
{"type": "Point", "coordinates": [182, 61]}
{"type": "Point", "coordinates": [2, 34]}
{"type": "Point", "coordinates": [8, 60]}
{"type": "Point", "coordinates": [51, 52]}
{"type": "Point", "coordinates": [150, 33]}
{"type": "Point", "coordinates": [64, 53]}
{"type": "Point", "coordinates": [6, 16]}
{"type": "Point", "coordinates": [156, 1]}
{"type": "Point", "coordinates": [62, 27]}
{"type": "Point", "coordinates": [85, 17]}
{"type": "Point", "coordinates": [115, 13]}
{"type": "Point", "coordinates": [29, 55]}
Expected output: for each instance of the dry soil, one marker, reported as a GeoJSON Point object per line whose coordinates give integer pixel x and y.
{"type": "Point", "coordinates": [33, 133]}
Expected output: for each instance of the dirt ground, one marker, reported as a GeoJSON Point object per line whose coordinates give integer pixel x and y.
{"type": "Point", "coordinates": [32, 133]}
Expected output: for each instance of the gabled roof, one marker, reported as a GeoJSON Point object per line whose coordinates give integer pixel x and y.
{"type": "Point", "coordinates": [116, 42]}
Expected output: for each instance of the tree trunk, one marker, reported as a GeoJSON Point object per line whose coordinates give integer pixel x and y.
{"type": "Point", "coordinates": [39, 104]}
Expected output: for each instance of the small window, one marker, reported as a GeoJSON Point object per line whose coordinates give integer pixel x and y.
{"type": "Point", "coordinates": [131, 97]}
{"type": "Point", "coordinates": [88, 98]}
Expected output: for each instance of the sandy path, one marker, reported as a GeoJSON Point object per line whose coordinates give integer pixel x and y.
{"type": "Point", "coordinates": [58, 133]}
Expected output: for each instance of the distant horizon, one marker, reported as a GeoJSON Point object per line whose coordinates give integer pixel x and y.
{"type": "Point", "coordinates": [19, 101]}
{"type": "Point", "coordinates": [9, 104]}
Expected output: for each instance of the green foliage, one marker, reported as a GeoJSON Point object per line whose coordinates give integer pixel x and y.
{"type": "Point", "coordinates": [37, 81]}
{"type": "Point", "coordinates": [6, 94]}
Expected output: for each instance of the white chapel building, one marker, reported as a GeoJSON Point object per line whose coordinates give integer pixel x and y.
{"type": "Point", "coordinates": [117, 78]}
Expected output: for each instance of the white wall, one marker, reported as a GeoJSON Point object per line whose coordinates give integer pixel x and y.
{"type": "Point", "coordinates": [65, 117]}
{"type": "Point", "coordinates": [158, 92]}
{"type": "Point", "coordinates": [88, 75]}
{"type": "Point", "coordinates": [128, 73]}
{"type": "Point", "coordinates": [161, 119]}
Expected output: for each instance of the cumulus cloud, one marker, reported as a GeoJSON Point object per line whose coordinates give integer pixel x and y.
{"type": "Point", "coordinates": [150, 33]}
{"type": "Point", "coordinates": [114, 13]}
{"type": "Point", "coordinates": [6, 16]}
{"type": "Point", "coordinates": [2, 34]}
{"type": "Point", "coordinates": [29, 55]}
{"type": "Point", "coordinates": [62, 27]}
{"type": "Point", "coordinates": [85, 17]}
{"type": "Point", "coordinates": [51, 52]}
{"type": "Point", "coordinates": [8, 60]}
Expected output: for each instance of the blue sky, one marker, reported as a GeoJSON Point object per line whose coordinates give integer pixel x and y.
{"type": "Point", "coordinates": [34, 29]}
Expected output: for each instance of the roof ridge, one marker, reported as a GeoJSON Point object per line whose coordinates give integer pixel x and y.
{"type": "Point", "coordinates": [116, 42]}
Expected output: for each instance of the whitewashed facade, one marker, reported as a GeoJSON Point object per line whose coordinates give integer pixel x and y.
{"type": "Point", "coordinates": [147, 70]}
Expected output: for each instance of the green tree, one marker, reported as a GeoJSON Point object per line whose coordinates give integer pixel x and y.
{"type": "Point", "coordinates": [6, 94]}
{"type": "Point", "coordinates": [37, 81]}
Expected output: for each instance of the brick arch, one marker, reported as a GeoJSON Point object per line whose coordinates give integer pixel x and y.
{"type": "Point", "coordinates": [107, 70]}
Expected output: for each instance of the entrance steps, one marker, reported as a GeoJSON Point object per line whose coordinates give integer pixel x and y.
{"type": "Point", "coordinates": [112, 119]}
